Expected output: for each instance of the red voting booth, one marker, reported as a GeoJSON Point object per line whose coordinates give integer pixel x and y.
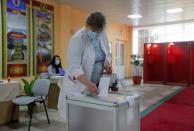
{"type": "Point", "coordinates": [192, 63]}
{"type": "Point", "coordinates": [169, 63]}
{"type": "Point", "coordinates": [153, 63]}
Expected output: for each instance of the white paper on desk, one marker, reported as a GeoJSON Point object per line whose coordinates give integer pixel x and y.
{"type": "Point", "coordinates": [103, 86]}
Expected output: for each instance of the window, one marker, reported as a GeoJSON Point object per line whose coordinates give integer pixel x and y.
{"type": "Point", "coordinates": [167, 33]}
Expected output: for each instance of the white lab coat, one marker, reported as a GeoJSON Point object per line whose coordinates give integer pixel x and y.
{"type": "Point", "coordinates": [81, 58]}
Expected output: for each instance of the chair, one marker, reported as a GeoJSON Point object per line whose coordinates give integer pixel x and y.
{"type": "Point", "coordinates": [40, 89]}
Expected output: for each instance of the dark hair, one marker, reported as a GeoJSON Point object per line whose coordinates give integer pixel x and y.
{"type": "Point", "coordinates": [96, 20]}
{"type": "Point", "coordinates": [54, 65]}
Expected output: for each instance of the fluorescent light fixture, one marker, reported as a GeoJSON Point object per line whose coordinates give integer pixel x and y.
{"type": "Point", "coordinates": [176, 10]}
{"type": "Point", "coordinates": [134, 16]}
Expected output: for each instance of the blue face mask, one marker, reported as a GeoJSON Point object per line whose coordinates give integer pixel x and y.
{"type": "Point", "coordinates": [92, 35]}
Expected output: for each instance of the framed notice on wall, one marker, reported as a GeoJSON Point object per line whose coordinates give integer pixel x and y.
{"type": "Point", "coordinates": [16, 40]}
{"type": "Point", "coordinates": [43, 21]}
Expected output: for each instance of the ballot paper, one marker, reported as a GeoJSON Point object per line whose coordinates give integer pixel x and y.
{"type": "Point", "coordinates": [103, 86]}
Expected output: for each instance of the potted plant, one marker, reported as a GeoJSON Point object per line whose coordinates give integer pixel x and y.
{"type": "Point", "coordinates": [29, 85]}
{"type": "Point", "coordinates": [137, 61]}
{"type": "Point", "coordinates": [114, 86]}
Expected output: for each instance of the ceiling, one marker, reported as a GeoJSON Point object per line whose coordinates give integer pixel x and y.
{"type": "Point", "coordinates": [153, 11]}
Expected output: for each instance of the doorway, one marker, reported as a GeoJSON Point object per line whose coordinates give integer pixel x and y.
{"type": "Point", "coordinates": [120, 59]}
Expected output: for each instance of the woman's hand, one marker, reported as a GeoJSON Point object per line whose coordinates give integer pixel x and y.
{"type": "Point", "coordinates": [90, 86]}
{"type": "Point", "coordinates": [108, 70]}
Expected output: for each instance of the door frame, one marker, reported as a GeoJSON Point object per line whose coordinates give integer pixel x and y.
{"type": "Point", "coordinates": [118, 43]}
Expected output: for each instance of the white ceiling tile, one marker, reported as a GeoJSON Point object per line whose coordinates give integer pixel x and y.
{"type": "Point", "coordinates": [153, 11]}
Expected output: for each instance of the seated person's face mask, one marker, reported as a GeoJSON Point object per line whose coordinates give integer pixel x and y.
{"type": "Point", "coordinates": [57, 62]}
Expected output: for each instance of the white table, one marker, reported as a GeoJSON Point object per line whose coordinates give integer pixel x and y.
{"type": "Point", "coordinates": [9, 90]}
{"type": "Point", "coordinates": [56, 83]}
{"type": "Point", "coordinates": [57, 80]}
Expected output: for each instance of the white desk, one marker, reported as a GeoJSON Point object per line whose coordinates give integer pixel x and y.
{"type": "Point", "coordinates": [9, 90]}
{"type": "Point", "coordinates": [53, 96]}
{"type": "Point", "coordinates": [57, 80]}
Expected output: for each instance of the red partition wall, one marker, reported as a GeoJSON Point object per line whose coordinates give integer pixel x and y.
{"type": "Point", "coordinates": [177, 63]}
{"type": "Point", "coordinates": [154, 63]}
{"type": "Point", "coordinates": [169, 63]}
{"type": "Point", "coordinates": [192, 63]}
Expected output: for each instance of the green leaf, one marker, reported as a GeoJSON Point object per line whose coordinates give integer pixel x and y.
{"type": "Point", "coordinates": [136, 62]}
{"type": "Point", "coordinates": [28, 86]}
{"type": "Point", "coordinates": [27, 90]}
{"type": "Point", "coordinates": [25, 82]}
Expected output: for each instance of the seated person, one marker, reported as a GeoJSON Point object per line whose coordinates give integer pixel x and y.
{"type": "Point", "coordinates": [55, 68]}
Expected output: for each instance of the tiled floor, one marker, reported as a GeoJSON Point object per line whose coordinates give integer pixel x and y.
{"type": "Point", "coordinates": [39, 121]}
{"type": "Point", "coordinates": [149, 94]}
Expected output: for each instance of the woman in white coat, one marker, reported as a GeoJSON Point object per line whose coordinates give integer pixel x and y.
{"type": "Point", "coordinates": [88, 56]}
